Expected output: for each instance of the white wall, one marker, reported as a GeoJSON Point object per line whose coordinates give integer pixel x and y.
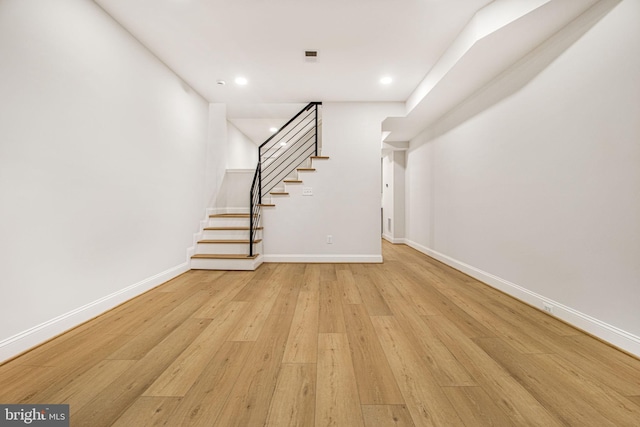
{"type": "Point", "coordinates": [102, 168]}
{"type": "Point", "coordinates": [393, 195]}
{"type": "Point", "coordinates": [539, 194]}
{"type": "Point", "coordinates": [399, 172]}
{"type": "Point", "coordinates": [230, 154]}
{"type": "Point", "coordinates": [388, 210]}
{"type": "Point", "coordinates": [242, 152]}
{"type": "Point", "coordinates": [233, 196]}
{"type": "Point", "coordinates": [346, 193]}
{"type": "Point", "coordinates": [217, 152]}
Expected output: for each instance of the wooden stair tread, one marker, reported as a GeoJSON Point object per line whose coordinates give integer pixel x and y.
{"type": "Point", "coordinates": [279, 193]}
{"type": "Point", "coordinates": [306, 169]}
{"type": "Point", "coordinates": [230, 241]}
{"type": "Point", "coordinates": [230, 228]}
{"type": "Point", "coordinates": [225, 256]}
{"type": "Point", "coordinates": [320, 157]}
{"type": "Point", "coordinates": [266, 205]}
{"type": "Point", "coordinates": [292, 181]}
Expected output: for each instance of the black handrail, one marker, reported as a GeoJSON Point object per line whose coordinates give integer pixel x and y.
{"type": "Point", "coordinates": [280, 165]}
{"type": "Point", "coordinates": [284, 167]}
{"type": "Point", "coordinates": [294, 129]}
{"type": "Point", "coordinates": [307, 107]}
{"type": "Point", "coordinates": [289, 148]}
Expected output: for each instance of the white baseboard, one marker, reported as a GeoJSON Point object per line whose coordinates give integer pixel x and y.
{"type": "Point", "coordinates": [609, 333]}
{"type": "Point", "coordinates": [12, 346]}
{"type": "Point", "coordinates": [394, 240]}
{"type": "Point", "coordinates": [361, 259]}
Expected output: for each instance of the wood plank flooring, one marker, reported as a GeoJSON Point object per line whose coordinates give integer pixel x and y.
{"type": "Point", "coordinates": [410, 342]}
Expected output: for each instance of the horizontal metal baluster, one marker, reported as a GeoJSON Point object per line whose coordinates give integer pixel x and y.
{"type": "Point", "coordinates": [278, 156]}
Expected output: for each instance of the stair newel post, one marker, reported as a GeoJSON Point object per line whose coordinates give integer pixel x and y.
{"type": "Point", "coordinates": [259, 182]}
{"type": "Point", "coordinates": [316, 129]}
{"type": "Point", "coordinates": [260, 174]}
{"type": "Point", "coordinates": [251, 226]}
{"type": "Point", "coordinates": [254, 207]}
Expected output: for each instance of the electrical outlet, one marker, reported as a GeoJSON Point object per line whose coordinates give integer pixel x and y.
{"type": "Point", "coordinates": [329, 239]}
{"type": "Point", "coordinates": [547, 307]}
{"type": "Point", "coordinates": [307, 191]}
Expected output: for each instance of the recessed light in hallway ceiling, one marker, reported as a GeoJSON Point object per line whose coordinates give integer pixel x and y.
{"type": "Point", "coordinates": [275, 43]}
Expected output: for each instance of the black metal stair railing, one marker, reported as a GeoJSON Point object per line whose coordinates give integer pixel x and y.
{"type": "Point", "coordinates": [279, 156]}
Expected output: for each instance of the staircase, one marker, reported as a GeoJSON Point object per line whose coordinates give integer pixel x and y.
{"type": "Point", "coordinates": [295, 178]}
{"type": "Point", "coordinates": [224, 244]}
{"type": "Point", "coordinates": [233, 241]}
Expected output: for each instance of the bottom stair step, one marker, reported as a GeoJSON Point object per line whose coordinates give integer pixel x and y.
{"type": "Point", "coordinates": [225, 262]}
{"type": "Point", "coordinates": [225, 256]}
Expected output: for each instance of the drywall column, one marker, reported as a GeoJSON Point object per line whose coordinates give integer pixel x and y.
{"type": "Point", "coordinates": [393, 196]}
{"type": "Point", "coordinates": [217, 151]}
{"type": "Point", "coordinates": [387, 196]}
{"type": "Point", "coordinates": [399, 172]}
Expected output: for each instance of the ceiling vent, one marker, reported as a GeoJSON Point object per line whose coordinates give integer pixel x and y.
{"type": "Point", "coordinates": [310, 56]}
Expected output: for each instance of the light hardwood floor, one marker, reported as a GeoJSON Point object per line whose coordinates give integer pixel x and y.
{"type": "Point", "coordinates": [408, 342]}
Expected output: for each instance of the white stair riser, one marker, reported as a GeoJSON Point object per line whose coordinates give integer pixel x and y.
{"type": "Point", "coordinates": [228, 235]}
{"type": "Point", "coordinates": [225, 248]}
{"type": "Point", "coordinates": [228, 222]}
{"type": "Point", "coordinates": [224, 264]}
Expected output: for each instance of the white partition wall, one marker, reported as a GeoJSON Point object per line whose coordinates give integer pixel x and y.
{"type": "Point", "coordinates": [345, 203]}
{"type": "Point", "coordinates": [393, 195]}
{"type": "Point", "coordinates": [102, 168]}
{"type": "Point", "coordinates": [539, 194]}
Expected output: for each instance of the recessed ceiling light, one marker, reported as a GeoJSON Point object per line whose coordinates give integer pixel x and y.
{"type": "Point", "coordinates": [386, 80]}
{"type": "Point", "coordinates": [273, 130]}
{"type": "Point", "coordinates": [241, 81]}
{"type": "Point", "coordinates": [221, 82]}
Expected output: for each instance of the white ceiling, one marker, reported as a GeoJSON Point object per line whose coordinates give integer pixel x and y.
{"type": "Point", "coordinates": [439, 52]}
{"type": "Point", "coordinates": [359, 41]}
{"type": "Point", "coordinates": [527, 33]}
